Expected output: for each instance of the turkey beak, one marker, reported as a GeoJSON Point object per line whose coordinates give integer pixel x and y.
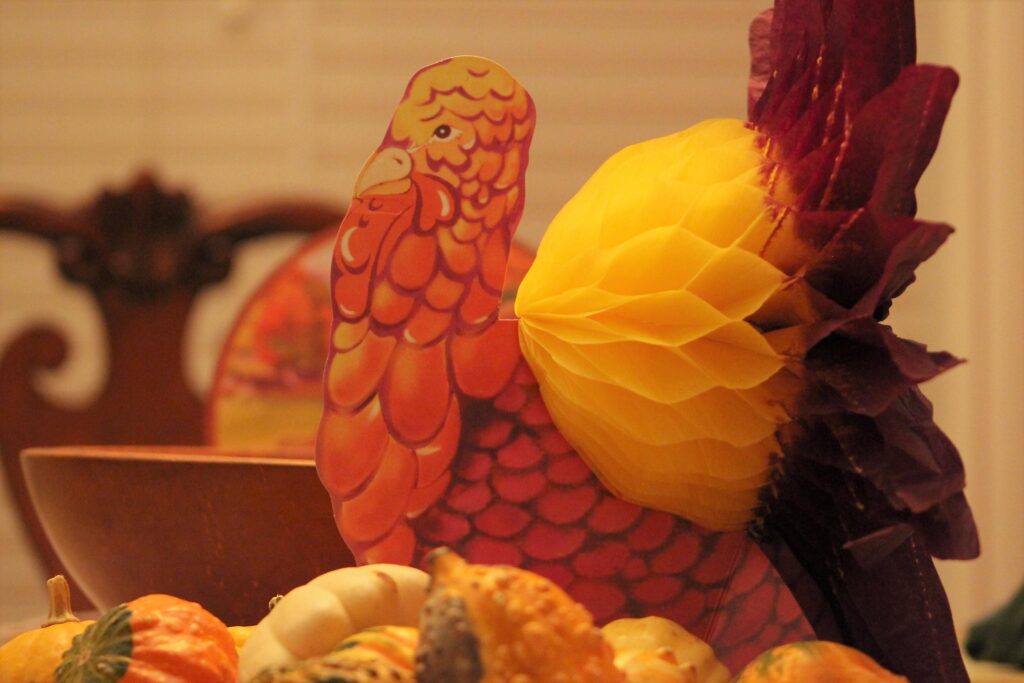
{"type": "Point", "coordinates": [386, 172]}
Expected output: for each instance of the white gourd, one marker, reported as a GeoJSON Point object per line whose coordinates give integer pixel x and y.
{"type": "Point", "coordinates": [312, 619]}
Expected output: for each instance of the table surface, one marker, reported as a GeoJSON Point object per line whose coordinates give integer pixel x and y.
{"type": "Point", "coordinates": [987, 672]}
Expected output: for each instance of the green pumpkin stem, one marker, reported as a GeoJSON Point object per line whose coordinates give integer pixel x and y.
{"type": "Point", "coordinates": [60, 602]}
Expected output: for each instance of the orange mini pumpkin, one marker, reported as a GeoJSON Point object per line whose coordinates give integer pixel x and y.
{"type": "Point", "coordinates": [815, 661]}
{"type": "Point", "coordinates": [153, 639]}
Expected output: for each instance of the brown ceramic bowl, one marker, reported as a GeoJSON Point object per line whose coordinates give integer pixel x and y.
{"type": "Point", "coordinates": [228, 530]}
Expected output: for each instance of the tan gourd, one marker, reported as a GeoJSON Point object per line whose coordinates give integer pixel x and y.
{"type": "Point", "coordinates": [494, 624]}
{"type": "Point", "coordinates": [312, 619]}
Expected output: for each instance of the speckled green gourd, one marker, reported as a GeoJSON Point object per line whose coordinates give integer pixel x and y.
{"type": "Point", "coordinates": [377, 654]}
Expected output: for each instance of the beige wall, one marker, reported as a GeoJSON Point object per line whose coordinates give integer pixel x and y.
{"type": "Point", "coordinates": [969, 297]}
{"type": "Point", "coordinates": [244, 98]}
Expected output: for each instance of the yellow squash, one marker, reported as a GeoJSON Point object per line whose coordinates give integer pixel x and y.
{"type": "Point", "coordinates": [33, 656]}
{"type": "Point", "coordinates": [646, 650]}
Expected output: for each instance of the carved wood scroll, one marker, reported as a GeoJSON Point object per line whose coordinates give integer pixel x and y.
{"type": "Point", "coordinates": [144, 252]}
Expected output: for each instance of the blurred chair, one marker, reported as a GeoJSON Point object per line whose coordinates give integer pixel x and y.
{"type": "Point", "coordinates": [144, 252]}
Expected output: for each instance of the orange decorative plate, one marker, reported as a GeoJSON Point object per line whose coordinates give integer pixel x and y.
{"type": "Point", "coordinates": [267, 386]}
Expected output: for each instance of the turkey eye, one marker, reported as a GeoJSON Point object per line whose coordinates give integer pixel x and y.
{"type": "Point", "coordinates": [443, 131]}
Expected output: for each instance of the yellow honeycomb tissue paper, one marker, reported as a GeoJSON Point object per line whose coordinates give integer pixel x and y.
{"type": "Point", "coordinates": [633, 318]}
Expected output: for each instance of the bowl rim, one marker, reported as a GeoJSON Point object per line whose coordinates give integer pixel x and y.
{"type": "Point", "coordinates": [281, 457]}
